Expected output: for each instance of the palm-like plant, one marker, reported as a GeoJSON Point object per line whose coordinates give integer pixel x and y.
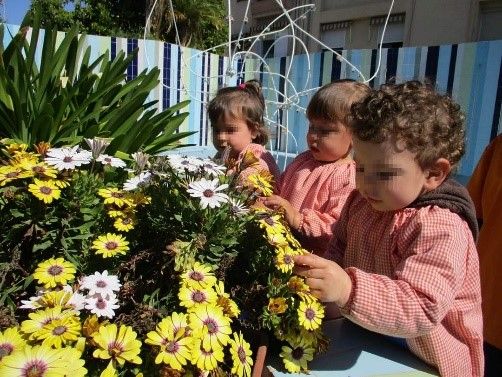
{"type": "Point", "coordinates": [68, 97]}
{"type": "Point", "coordinates": [192, 18]}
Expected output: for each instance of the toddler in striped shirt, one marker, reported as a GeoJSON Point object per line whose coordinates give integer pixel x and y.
{"type": "Point", "coordinates": [313, 188]}
{"type": "Point", "coordinates": [402, 260]}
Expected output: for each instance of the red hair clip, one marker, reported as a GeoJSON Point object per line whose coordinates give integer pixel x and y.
{"type": "Point", "coordinates": [242, 86]}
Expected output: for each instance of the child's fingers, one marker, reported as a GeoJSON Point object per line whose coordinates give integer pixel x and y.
{"type": "Point", "coordinates": [310, 260]}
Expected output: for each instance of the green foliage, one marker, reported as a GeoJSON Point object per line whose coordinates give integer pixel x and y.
{"type": "Point", "coordinates": [67, 96]}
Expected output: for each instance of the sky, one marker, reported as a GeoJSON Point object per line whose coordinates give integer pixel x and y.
{"type": "Point", "coordinates": [15, 10]}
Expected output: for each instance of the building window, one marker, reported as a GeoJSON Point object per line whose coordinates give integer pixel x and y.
{"type": "Point", "coordinates": [490, 20]}
{"type": "Point", "coordinates": [266, 45]}
{"type": "Point", "coordinates": [334, 34]}
{"type": "Point", "coordinates": [394, 32]}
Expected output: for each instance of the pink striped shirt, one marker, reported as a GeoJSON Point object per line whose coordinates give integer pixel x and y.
{"type": "Point", "coordinates": [266, 161]}
{"type": "Point", "coordinates": [415, 274]}
{"type": "Point", "coordinates": [318, 190]}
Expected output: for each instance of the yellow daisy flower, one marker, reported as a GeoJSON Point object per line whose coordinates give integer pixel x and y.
{"type": "Point", "coordinates": [284, 260]}
{"type": "Point", "coordinates": [297, 285]}
{"type": "Point", "coordinates": [241, 356]}
{"type": "Point", "coordinates": [199, 276]}
{"type": "Point", "coordinates": [53, 272]}
{"type": "Point", "coordinates": [43, 361]}
{"type": "Point", "coordinates": [60, 332]}
{"type": "Point", "coordinates": [261, 184]}
{"type": "Point", "coordinates": [206, 358]}
{"type": "Point", "coordinates": [44, 190]}
{"type": "Point", "coordinates": [91, 325]}
{"type": "Point", "coordinates": [272, 224]}
{"type": "Point", "coordinates": [124, 224]}
{"type": "Point", "coordinates": [309, 337]}
{"type": "Point", "coordinates": [61, 183]}
{"type": "Point", "coordinates": [39, 169]}
{"type": "Point", "coordinates": [115, 213]}
{"type": "Point", "coordinates": [10, 341]}
{"type": "Point", "coordinates": [210, 324]}
{"type": "Point", "coordinates": [119, 344]}
{"type": "Point", "coordinates": [110, 245]}
{"type": "Point", "coordinates": [229, 306]}
{"type": "Point", "coordinates": [10, 173]}
{"type": "Point", "coordinates": [296, 357]}
{"type": "Point", "coordinates": [191, 297]}
{"type": "Point", "coordinates": [277, 305]}
{"type": "Point", "coordinates": [175, 348]}
{"type": "Point", "coordinates": [41, 318]}
{"type": "Point", "coordinates": [115, 196]}
{"type": "Point", "coordinates": [277, 239]}
{"type": "Point", "coordinates": [14, 148]}
{"type": "Point", "coordinates": [310, 314]}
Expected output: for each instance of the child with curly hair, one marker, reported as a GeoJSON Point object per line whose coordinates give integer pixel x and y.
{"type": "Point", "coordinates": [403, 259]}
{"type": "Point", "coordinates": [237, 120]}
{"type": "Point", "coordinates": [313, 188]}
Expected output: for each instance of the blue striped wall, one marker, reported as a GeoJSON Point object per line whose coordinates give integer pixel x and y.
{"type": "Point", "coordinates": [470, 72]}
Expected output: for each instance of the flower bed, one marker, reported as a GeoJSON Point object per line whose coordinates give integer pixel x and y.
{"type": "Point", "coordinates": [153, 266]}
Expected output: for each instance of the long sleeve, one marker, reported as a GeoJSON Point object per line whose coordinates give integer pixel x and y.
{"type": "Point", "coordinates": [318, 191]}
{"type": "Point", "coordinates": [415, 275]}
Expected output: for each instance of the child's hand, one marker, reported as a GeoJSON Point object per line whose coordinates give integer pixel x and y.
{"type": "Point", "coordinates": [326, 279]}
{"type": "Point", "coordinates": [293, 217]}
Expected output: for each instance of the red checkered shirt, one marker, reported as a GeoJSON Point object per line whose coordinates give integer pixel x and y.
{"type": "Point", "coordinates": [318, 190]}
{"type": "Point", "coordinates": [415, 274]}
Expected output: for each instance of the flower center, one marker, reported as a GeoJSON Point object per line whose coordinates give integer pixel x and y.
{"type": "Point", "coordinates": [5, 349]}
{"type": "Point", "coordinates": [197, 276]}
{"type": "Point", "coordinates": [115, 348]}
{"type": "Point", "coordinates": [45, 190]}
{"type": "Point", "coordinates": [297, 353]}
{"type": "Point", "coordinates": [68, 159]}
{"type": "Point", "coordinates": [269, 221]}
{"type": "Point", "coordinates": [100, 304]}
{"type": "Point", "coordinates": [310, 314]}
{"type": "Point", "coordinates": [172, 347]}
{"type": "Point", "coordinates": [101, 284]}
{"type": "Point", "coordinates": [241, 353]}
{"type": "Point", "coordinates": [126, 221]}
{"type": "Point", "coordinates": [35, 368]}
{"type": "Point", "coordinates": [38, 169]}
{"type": "Point", "coordinates": [198, 297]}
{"type": "Point", "coordinates": [13, 174]}
{"type": "Point", "coordinates": [111, 245]}
{"type": "Point", "coordinates": [212, 326]}
{"type": "Point", "coordinates": [288, 259]}
{"type": "Point", "coordinates": [55, 270]}
{"type": "Point", "coordinates": [208, 193]}
{"type": "Point", "coordinates": [116, 194]}
{"type": "Point", "coordinates": [108, 160]}
{"type": "Point", "coordinates": [59, 330]}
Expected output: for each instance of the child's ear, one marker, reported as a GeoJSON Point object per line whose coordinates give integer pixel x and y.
{"type": "Point", "coordinates": [254, 130]}
{"type": "Point", "coordinates": [436, 174]}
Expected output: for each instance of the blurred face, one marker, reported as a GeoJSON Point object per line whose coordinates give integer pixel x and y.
{"type": "Point", "coordinates": [328, 141]}
{"type": "Point", "coordinates": [232, 132]}
{"type": "Point", "coordinates": [388, 177]}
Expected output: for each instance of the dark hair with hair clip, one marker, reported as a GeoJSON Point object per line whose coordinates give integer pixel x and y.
{"type": "Point", "coordinates": [333, 101]}
{"type": "Point", "coordinates": [430, 124]}
{"type": "Point", "coordinates": [243, 101]}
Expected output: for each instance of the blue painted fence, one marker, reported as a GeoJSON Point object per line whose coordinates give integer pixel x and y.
{"type": "Point", "coordinates": [470, 72]}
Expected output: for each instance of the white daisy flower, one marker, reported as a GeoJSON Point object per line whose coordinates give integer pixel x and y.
{"type": "Point", "coordinates": [212, 168]}
{"type": "Point", "coordinates": [102, 307]}
{"type": "Point", "coordinates": [237, 207]}
{"type": "Point", "coordinates": [208, 192]}
{"type": "Point", "coordinates": [67, 158]}
{"type": "Point", "coordinates": [134, 182]}
{"type": "Point", "coordinates": [182, 163]}
{"type": "Point", "coordinates": [97, 145]}
{"type": "Point", "coordinates": [112, 161]}
{"type": "Point", "coordinates": [141, 159]}
{"type": "Point", "coordinates": [76, 302]}
{"type": "Point", "coordinates": [31, 303]}
{"type": "Point", "coordinates": [101, 283]}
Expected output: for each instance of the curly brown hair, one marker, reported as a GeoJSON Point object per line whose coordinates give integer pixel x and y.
{"type": "Point", "coordinates": [332, 102]}
{"type": "Point", "coordinates": [243, 101]}
{"type": "Point", "coordinates": [429, 123]}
